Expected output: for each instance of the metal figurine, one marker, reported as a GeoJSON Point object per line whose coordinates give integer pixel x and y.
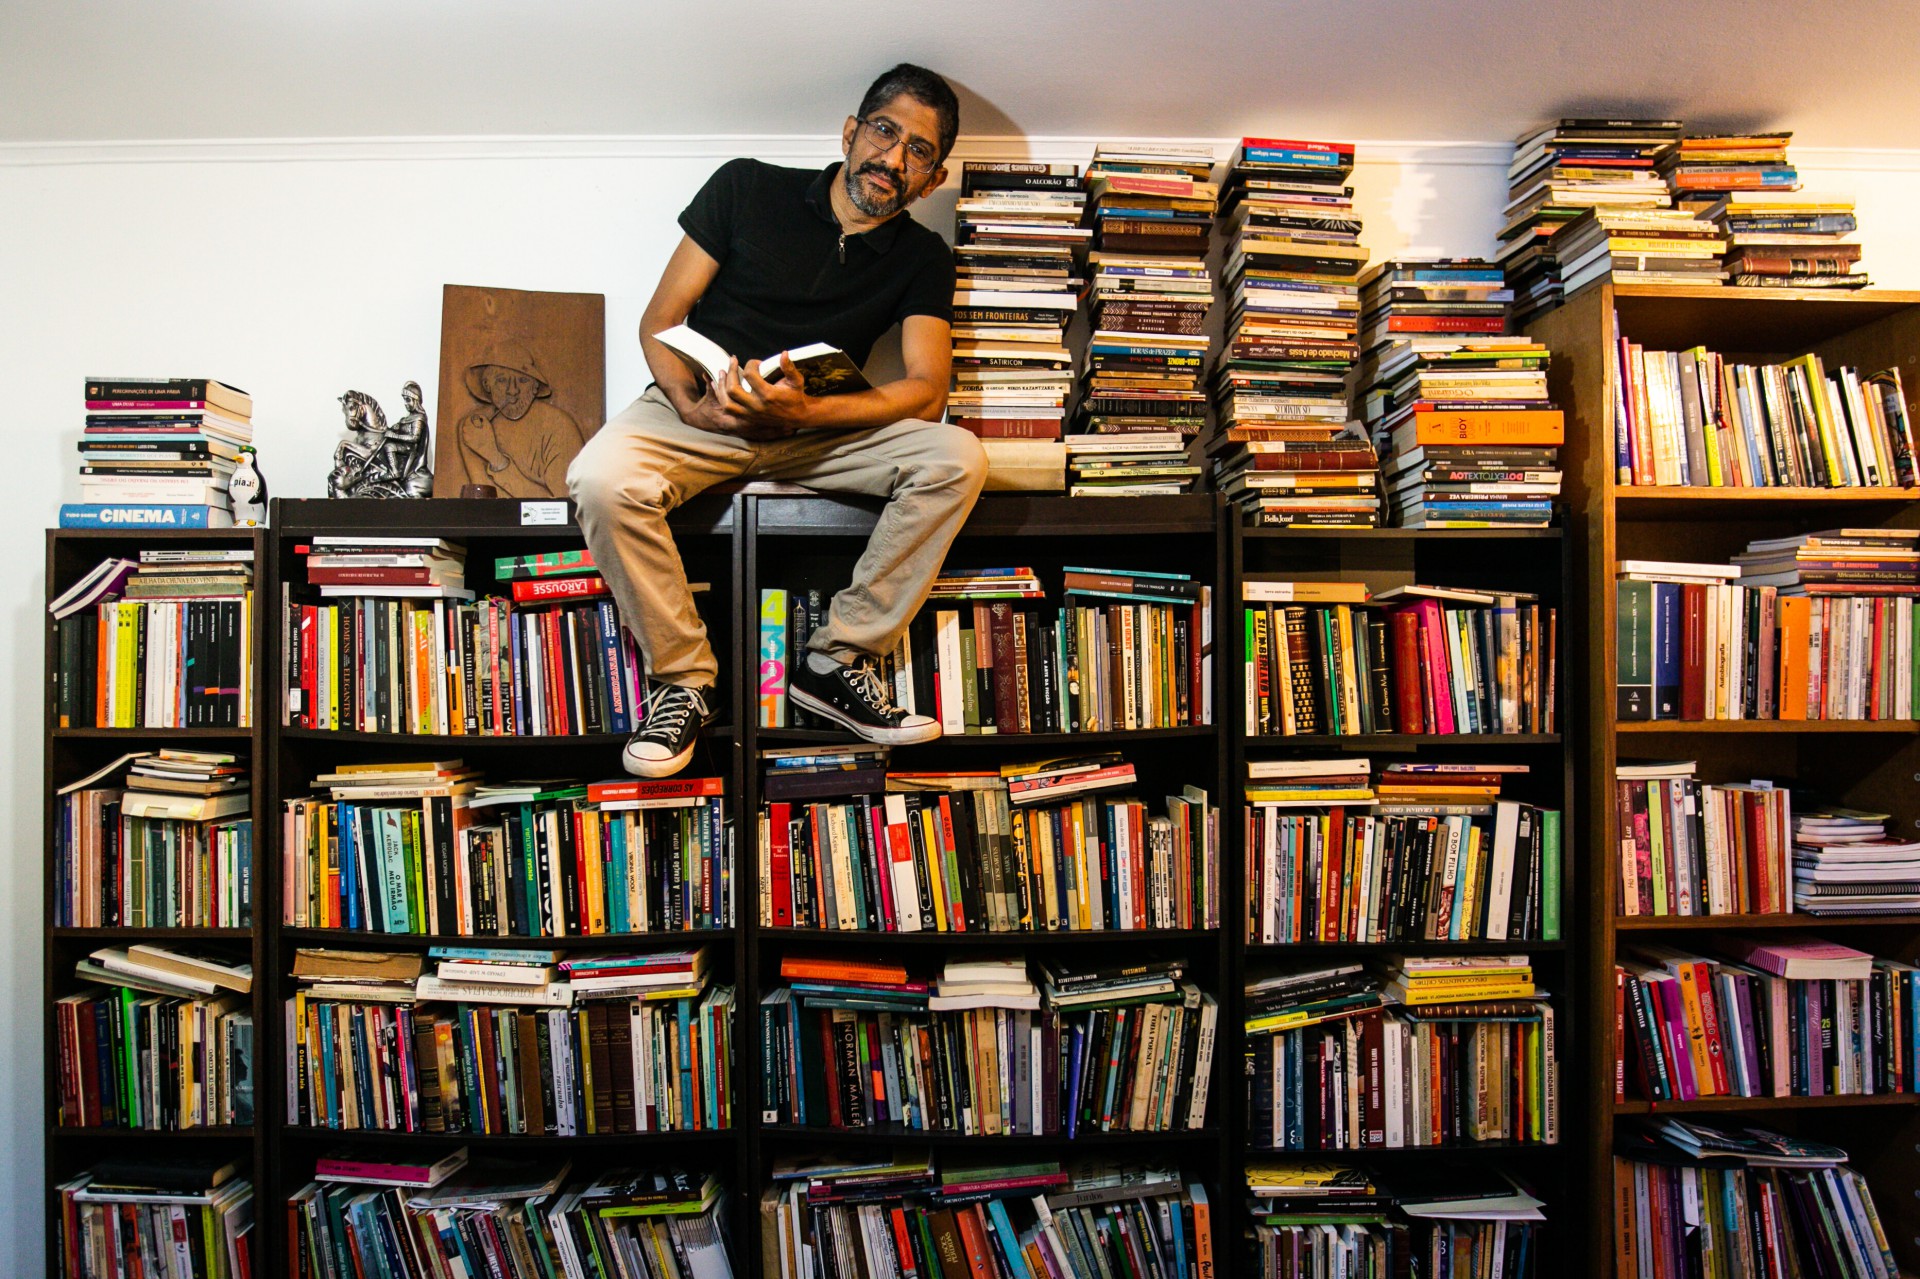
{"type": "Point", "coordinates": [377, 460]}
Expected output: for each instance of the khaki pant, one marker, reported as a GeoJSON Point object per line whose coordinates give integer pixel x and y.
{"type": "Point", "coordinates": [647, 461]}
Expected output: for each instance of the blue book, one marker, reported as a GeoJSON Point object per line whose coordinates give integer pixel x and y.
{"type": "Point", "coordinates": [115, 515]}
{"type": "Point", "coordinates": [352, 912]}
{"type": "Point", "coordinates": [1287, 155]}
{"type": "Point", "coordinates": [617, 918]}
{"type": "Point", "coordinates": [518, 649]}
{"type": "Point", "coordinates": [619, 719]}
{"type": "Point", "coordinates": [1666, 650]}
{"type": "Point", "coordinates": [1009, 1239]}
{"type": "Point", "coordinates": [1076, 1065]}
{"type": "Point", "coordinates": [495, 954]}
{"type": "Point", "coordinates": [683, 1009]}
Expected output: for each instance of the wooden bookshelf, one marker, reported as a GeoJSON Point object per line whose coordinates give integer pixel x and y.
{"type": "Point", "coordinates": [1869, 765]}
{"type": "Point", "coordinates": [1538, 561]}
{"type": "Point", "coordinates": [73, 753]}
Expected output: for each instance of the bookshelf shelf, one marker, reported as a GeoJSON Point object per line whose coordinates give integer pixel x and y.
{"type": "Point", "coordinates": [1737, 1105]}
{"type": "Point", "coordinates": [815, 937]}
{"type": "Point", "coordinates": [1868, 765]}
{"type": "Point", "coordinates": [895, 1134]}
{"type": "Point", "coordinates": [601, 741]}
{"type": "Point", "coordinates": [1387, 741]}
{"type": "Point", "coordinates": [1709, 923]}
{"type": "Point", "coordinates": [1677, 727]}
{"type": "Point", "coordinates": [1405, 534]}
{"type": "Point", "coordinates": [510, 1141]}
{"type": "Point", "coordinates": [154, 734]}
{"type": "Point", "coordinates": [1281, 950]}
{"type": "Point", "coordinates": [150, 934]}
{"type": "Point", "coordinates": [344, 937]}
{"type": "Point", "coordinates": [1113, 739]}
{"type": "Point", "coordinates": [218, 1132]}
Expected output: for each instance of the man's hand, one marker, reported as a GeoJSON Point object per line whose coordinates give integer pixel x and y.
{"type": "Point", "coordinates": [783, 405]}
{"type": "Point", "coordinates": [718, 411]}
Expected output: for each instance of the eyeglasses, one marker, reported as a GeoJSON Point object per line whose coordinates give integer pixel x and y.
{"type": "Point", "coordinates": [920, 156]}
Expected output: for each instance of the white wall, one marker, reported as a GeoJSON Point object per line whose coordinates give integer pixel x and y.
{"type": "Point", "coordinates": [299, 270]}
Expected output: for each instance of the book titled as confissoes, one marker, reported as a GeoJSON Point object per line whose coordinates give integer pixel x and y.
{"type": "Point", "coordinates": [824, 368]}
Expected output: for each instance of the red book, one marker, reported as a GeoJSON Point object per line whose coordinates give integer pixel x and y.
{"type": "Point", "coordinates": [1446, 324]}
{"type": "Point", "coordinates": [581, 905]}
{"type": "Point", "coordinates": [1710, 1022]}
{"type": "Point", "coordinates": [536, 590]}
{"type": "Point", "coordinates": [949, 856]}
{"type": "Point", "coordinates": [1435, 668]}
{"type": "Point", "coordinates": [1693, 651]}
{"type": "Point", "coordinates": [1404, 631]}
{"type": "Point", "coordinates": [883, 869]}
{"type": "Point", "coordinates": [350, 576]}
{"type": "Point", "coordinates": [1006, 705]}
{"type": "Point", "coordinates": [1333, 460]}
{"type": "Point", "coordinates": [664, 788]}
{"type": "Point", "coordinates": [1011, 428]}
{"type": "Point", "coordinates": [830, 1056]}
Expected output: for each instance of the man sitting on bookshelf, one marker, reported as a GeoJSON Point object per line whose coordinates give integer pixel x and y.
{"type": "Point", "coordinates": [773, 260]}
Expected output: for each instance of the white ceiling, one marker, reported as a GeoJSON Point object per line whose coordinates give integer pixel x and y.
{"type": "Point", "coordinates": [1840, 75]}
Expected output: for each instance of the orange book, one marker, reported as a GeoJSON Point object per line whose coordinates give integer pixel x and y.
{"type": "Point", "coordinates": [1202, 1232]}
{"type": "Point", "coordinates": [1491, 426]}
{"type": "Point", "coordinates": [1795, 613]}
{"type": "Point", "coordinates": [972, 1223]}
{"type": "Point", "coordinates": [797, 969]}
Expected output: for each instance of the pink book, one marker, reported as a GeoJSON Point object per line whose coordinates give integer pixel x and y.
{"type": "Point", "coordinates": [340, 1167]}
{"type": "Point", "coordinates": [1438, 675]}
{"type": "Point", "coordinates": [1673, 1022]}
{"type": "Point", "coordinates": [1807, 960]}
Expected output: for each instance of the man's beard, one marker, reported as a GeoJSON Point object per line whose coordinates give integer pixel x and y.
{"type": "Point", "coordinates": [882, 208]}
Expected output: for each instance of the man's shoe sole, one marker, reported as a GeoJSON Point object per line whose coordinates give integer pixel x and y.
{"type": "Point", "coordinates": [866, 732]}
{"type": "Point", "coordinates": [657, 767]}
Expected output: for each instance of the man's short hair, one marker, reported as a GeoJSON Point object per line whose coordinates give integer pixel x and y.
{"type": "Point", "coordinates": [924, 87]}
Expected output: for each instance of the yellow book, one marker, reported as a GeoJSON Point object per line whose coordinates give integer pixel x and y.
{"type": "Point", "coordinates": [1043, 846]}
{"type": "Point", "coordinates": [590, 835]}
{"type": "Point", "coordinates": [126, 649]}
{"type": "Point", "coordinates": [936, 872]}
{"type": "Point", "coordinates": [1689, 975]}
{"type": "Point", "coordinates": [1349, 671]}
{"type": "Point", "coordinates": [246, 661]}
{"type": "Point", "coordinates": [1463, 994]}
{"type": "Point", "coordinates": [1830, 442]}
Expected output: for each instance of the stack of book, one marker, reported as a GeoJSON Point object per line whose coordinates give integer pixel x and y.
{"type": "Point", "coordinates": [171, 846]}
{"type": "Point", "coordinates": [165, 643]}
{"type": "Point", "coordinates": [1559, 172]}
{"type": "Point", "coordinates": [891, 1216]}
{"type": "Point", "coordinates": [1767, 1204]}
{"type": "Point", "coordinates": [504, 1217]}
{"type": "Point", "coordinates": [1329, 658]}
{"type": "Point", "coordinates": [1283, 448]}
{"type": "Point", "coordinates": [1846, 862]}
{"type": "Point", "coordinates": [1694, 417]}
{"type": "Point", "coordinates": [1151, 211]}
{"type": "Point", "coordinates": [1793, 241]}
{"type": "Point", "coordinates": [1702, 167]}
{"type": "Point", "coordinates": [1018, 279]}
{"type": "Point", "coordinates": [821, 772]}
{"type": "Point", "coordinates": [427, 848]}
{"type": "Point", "coordinates": [642, 1045]}
{"type": "Point", "coordinates": [996, 583]}
{"type": "Point", "coordinates": [492, 975]}
{"type": "Point", "coordinates": [156, 453]}
{"type": "Point", "coordinates": [1825, 637]}
{"type": "Point", "coordinates": [168, 1046]}
{"type": "Point", "coordinates": [1799, 1018]}
{"type": "Point", "coordinates": [1640, 246]}
{"type": "Point", "coordinates": [1467, 1055]}
{"type": "Point", "coordinates": [1137, 464]}
{"type": "Point", "coordinates": [122, 1216]}
{"type": "Point", "coordinates": [862, 1044]}
{"type": "Point", "coordinates": [1429, 863]}
{"type": "Point", "coordinates": [1690, 848]}
{"type": "Point", "coordinates": [1127, 649]}
{"type": "Point", "coordinates": [946, 852]}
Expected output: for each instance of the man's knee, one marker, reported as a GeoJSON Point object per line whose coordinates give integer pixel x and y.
{"type": "Point", "coordinates": [953, 455]}
{"type": "Point", "coordinates": [604, 485]}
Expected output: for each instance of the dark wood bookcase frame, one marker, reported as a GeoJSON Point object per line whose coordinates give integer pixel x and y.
{"type": "Point", "coordinates": [1869, 765]}
{"type": "Point", "coordinates": [746, 537]}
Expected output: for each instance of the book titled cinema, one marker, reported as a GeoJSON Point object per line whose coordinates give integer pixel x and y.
{"type": "Point", "coordinates": [102, 515]}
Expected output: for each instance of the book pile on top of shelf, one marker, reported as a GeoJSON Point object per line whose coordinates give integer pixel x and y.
{"type": "Point", "coordinates": [906, 1215]}
{"type": "Point", "coordinates": [1374, 1037]}
{"type": "Point", "coordinates": [1457, 407]}
{"type": "Point", "coordinates": [1151, 209]}
{"type": "Point", "coordinates": [846, 845]}
{"type": "Point", "coordinates": [1283, 448]}
{"type": "Point", "coordinates": [1563, 171]}
{"type": "Point", "coordinates": [1847, 862]}
{"type": "Point", "coordinates": [168, 1045]}
{"type": "Point", "coordinates": [428, 847]}
{"type": "Point", "coordinates": [1639, 246]}
{"type": "Point", "coordinates": [498, 1215]}
{"type": "Point", "coordinates": [1776, 1018]}
{"type": "Point", "coordinates": [1812, 627]}
{"type": "Point", "coordinates": [1324, 1219]}
{"type": "Point", "coordinates": [1777, 235]}
{"type": "Point", "coordinates": [1695, 417]}
{"type": "Point", "coordinates": [164, 643]}
{"type": "Point", "coordinates": [1691, 848]}
{"type": "Point", "coordinates": [119, 1216]}
{"type": "Point", "coordinates": [168, 846]}
{"type": "Point", "coordinates": [1429, 852]}
{"type": "Point", "coordinates": [1767, 1204]}
{"type": "Point", "coordinates": [514, 1044]}
{"type": "Point", "coordinates": [983, 1049]}
{"type": "Point", "coordinates": [1018, 277]}
{"type": "Point", "coordinates": [1334, 658]}
{"type": "Point", "coordinates": [156, 453]}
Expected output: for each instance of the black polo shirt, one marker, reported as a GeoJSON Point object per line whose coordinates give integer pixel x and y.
{"type": "Point", "coordinates": [782, 281]}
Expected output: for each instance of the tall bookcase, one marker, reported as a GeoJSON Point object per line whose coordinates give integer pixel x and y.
{"type": "Point", "coordinates": [1871, 765]}
{"type": "Point", "coordinates": [73, 753]}
{"type": "Point", "coordinates": [741, 540]}
{"type": "Point", "coordinates": [1534, 561]}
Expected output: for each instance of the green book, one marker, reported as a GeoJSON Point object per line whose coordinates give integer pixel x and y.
{"type": "Point", "coordinates": [970, 678]}
{"type": "Point", "coordinates": [512, 568]}
{"type": "Point", "coordinates": [1550, 874]}
{"type": "Point", "coordinates": [1633, 644]}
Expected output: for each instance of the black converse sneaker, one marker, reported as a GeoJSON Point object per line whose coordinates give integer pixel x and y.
{"type": "Point", "coordinates": [667, 734]}
{"type": "Point", "coordinates": [855, 697]}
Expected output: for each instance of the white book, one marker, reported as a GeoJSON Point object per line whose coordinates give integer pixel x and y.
{"type": "Point", "coordinates": [906, 882]}
{"type": "Point", "coordinates": [947, 640]}
{"type": "Point", "coordinates": [1506, 828]}
{"type": "Point", "coordinates": [557, 994]}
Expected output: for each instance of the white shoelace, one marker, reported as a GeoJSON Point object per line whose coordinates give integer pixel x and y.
{"type": "Point", "coordinates": [872, 689]}
{"type": "Point", "coordinates": [668, 707]}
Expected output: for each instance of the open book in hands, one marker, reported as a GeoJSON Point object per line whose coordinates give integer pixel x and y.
{"type": "Point", "coordinates": [824, 369]}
